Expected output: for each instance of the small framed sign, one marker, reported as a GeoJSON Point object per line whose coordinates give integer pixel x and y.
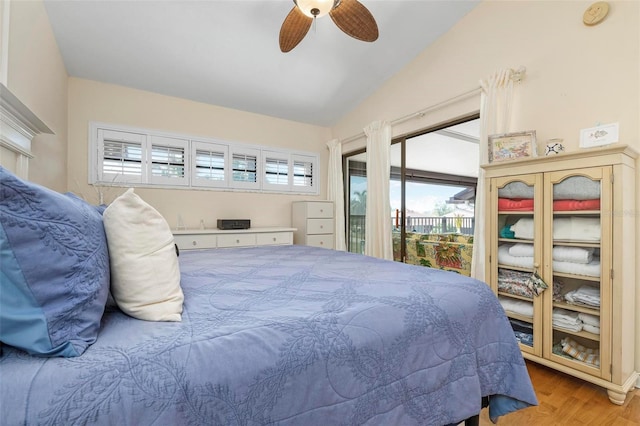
{"type": "Point", "coordinates": [509, 146]}
{"type": "Point", "coordinates": [601, 135]}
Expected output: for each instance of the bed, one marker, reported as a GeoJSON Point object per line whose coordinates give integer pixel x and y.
{"type": "Point", "coordinates": [286, 335]}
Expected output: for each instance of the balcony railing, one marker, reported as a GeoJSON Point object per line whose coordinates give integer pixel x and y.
{"type": "Point", "coordinates": [422, 225]}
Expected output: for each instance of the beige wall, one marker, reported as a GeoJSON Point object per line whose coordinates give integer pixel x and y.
{"type": "Point", "coordinates": [93, 101]}
{"type": "Point", "coordinates": [577, 77]}
{"type": "Point", "coordinates": [37, 76]}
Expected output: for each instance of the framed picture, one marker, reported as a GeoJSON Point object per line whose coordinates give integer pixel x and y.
{"type": "Point", "coordinates": [509, 146]}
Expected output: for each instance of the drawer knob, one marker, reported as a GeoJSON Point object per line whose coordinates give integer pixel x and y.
{"type": "Point", "coordinates": [195, 243]}
{"type": "Point", "coordinates": [237, 241]}
{"type": "Point", "coordinates": [321, 210]}
{"type": "Point", "coordinates": [321, 226]}
{"type": "Point", "coordinates": [321, 242]}
{"type": "Point", "coordinates": [274, 238]}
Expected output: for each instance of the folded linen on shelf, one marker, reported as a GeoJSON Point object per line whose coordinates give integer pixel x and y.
{"type": "Point", "coordinates": [508, 204]}
{"type": "Point", "coordinates": [516, 190]}
{"type": "Point", "coordinates": [577, 188]}
{"type": "Point", "coordinates": [521, 326]}
{"type": "Point", "coordinates": [591, 269]}
{"type": "Point", "coordinates": [514, 282]}
{"type": "Point", "coordinates": [515, 306]}
{"type": "Point", "coordinates": [572, 254]}
{"type": "Point", "coordinates": [589, 319]}
{"type": "Point", "coordinates": [591, 328]}
{"type": "Point", "coordinates": [576, 228]}
{"type": "Point", "coordinates": [506, 259]}
{"type": "Point", "coordinates": [579, 352]}
{"type": "Point", "coordinates": [523, 228]}
{"type": "Point", "coordinates": [586, 295]}
{"type": "Point", "coordinates": [567, 320]}
{"type": "Point", "coordinates": [564, 228]}
{"type": "Point", "coordinates": [521, 250]}
{"type": "Point", "coordinates": [524, 338]}
{"type": "Point", "coordinates": [572, 205]}
{"type": "Point", "coordinates": [558, 286]}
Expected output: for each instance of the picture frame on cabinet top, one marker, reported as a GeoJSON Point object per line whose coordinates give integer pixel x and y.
{"type": "Point", "coordinates": [511, 146]}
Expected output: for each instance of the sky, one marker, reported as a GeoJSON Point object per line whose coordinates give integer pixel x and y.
{"type": "Point", "coordinates": [421, 198]}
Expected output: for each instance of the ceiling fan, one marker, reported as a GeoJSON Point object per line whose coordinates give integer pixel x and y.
{"type": "Point", "coordinates": [349, 15]}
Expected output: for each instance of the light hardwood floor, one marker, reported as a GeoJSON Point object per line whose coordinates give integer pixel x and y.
{"type": "Point", "coordinates": [565, 400]}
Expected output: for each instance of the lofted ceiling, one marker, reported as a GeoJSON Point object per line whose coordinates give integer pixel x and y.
{"type": "Point", "coordinates": [226, 53]}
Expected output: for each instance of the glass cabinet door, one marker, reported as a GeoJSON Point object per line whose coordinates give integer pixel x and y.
{"type": "Point", "coordinates": [577, 228]}
{"type": "Point", "coordinates": [517, 244]}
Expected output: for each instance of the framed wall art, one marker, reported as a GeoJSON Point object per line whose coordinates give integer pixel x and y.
{"type": "Point", "coordinates": [509, 146]}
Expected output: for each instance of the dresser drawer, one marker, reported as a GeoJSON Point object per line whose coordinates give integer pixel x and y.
{"type": "Point", "coordinates": [274, 238]}
{"type": "Point", "coordinates": [236, 240]}
{"type": "Point", "coordinates": [319, 226]}
{"type": "Point", "coordinates": [195, 241]}
{"type": "Point", "coordinates": [320, 209]}
{"type": "Point", "coordinates": [325, 241]}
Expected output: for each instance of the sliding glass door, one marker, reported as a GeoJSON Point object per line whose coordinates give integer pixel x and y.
{"type": "Point", "coordinates": [432, 189]}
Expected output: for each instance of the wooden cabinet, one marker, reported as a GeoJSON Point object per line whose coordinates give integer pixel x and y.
{"type": "Point", "coordinates": [314, 223]}
{"type": "Point", "coordinates": [568, 218]}
{"type": "Point", "coordinates": [195, 239]}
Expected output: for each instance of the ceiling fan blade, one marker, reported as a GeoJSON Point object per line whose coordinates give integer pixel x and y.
{"type": "Point", "coordinates": [295, 26]}
{"type": "Point", "coordinates": [354, 19]}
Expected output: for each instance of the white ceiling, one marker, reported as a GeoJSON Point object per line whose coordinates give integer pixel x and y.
{"type": "Point", "coordinates": [226, 53]}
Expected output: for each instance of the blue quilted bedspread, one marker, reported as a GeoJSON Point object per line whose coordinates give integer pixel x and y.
{"type": "Point", "coordinates": [286, 335]}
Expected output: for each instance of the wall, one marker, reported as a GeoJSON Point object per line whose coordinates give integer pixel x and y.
{"type": "Point", "coordinates": [93, 101]}
{"type": "Point", "coordinates": [37, 76]}
{"type": "Point", "coordinates": [577, 76]}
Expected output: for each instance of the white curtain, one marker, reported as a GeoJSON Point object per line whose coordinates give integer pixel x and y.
{"type": "Point", "coordinates": [335, 191]}
{"type": "Point", "coordinates": [495, 115]}
{"type": "Point", "coordinates": [378, 241]}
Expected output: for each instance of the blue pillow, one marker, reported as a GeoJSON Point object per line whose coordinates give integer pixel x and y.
{"type": "Point", "coordinates": [55, 269]}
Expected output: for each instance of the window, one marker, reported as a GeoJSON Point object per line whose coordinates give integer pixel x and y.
{"type": "Point", "coordinates": [121, 154]}
{"type": "Point", "coordinates": [210, 163]}
{"type": "Point", "coordinates": [304, 173]}
{"type": "Point", "coordinates": [276, 170]}
{"type": "Point", "coordinates": [244, 168]}
{"type": "Point", "coordinates": [286, 171]}
{"type": "Point", "coordinates": [168, 161]}
{"type": "Point", "coordinates": [139, 157]}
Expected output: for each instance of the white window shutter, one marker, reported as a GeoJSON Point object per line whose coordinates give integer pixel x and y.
{"type": "Point", "coordinates": [244, 168]}
{"type": "Point", "coordinates": [304, 173]}
{"type": "Point", "coordinates": [120, 157]}
{"type": "Point", "coordinates": [209, 165]}
{"type": "Point", "coordinates": [276, 171]}
{"type": "Point", "coordinates": [168, 161]}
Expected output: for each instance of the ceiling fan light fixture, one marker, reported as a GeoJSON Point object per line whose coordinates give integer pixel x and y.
{"type": "Point", "coordinates": [316, 8]}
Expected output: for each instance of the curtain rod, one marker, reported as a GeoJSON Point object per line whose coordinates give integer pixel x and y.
{"type": "Point", "coordinates": [516, 76]}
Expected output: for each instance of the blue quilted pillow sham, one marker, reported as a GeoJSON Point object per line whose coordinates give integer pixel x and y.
{"type": "Point", "coordinates": [55, 269]}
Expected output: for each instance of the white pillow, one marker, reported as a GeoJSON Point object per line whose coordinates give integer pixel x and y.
{"type": "Point", "coordinates": [145, 276]}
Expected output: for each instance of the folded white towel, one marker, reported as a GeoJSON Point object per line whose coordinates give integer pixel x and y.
{"type": "Point", "coordinates": [523, 228]}
{"type": "Point", "coordinates": [591, 329]}
{"type": "Point", "coordinates": [567, 326]}
{"type": "Point", "coordinates": [565, 315]}
{"type": "Point", "coordinates": [589, 319]}
{"type": "Point", "coordinates": [570, 297]}
{"type": "Point", "coordinates": [576, 229]}
{"type": "Point", "coordinates": [505, 258]}
{"type": "Point", "coordinates": [591, 269]}
{"type": "Point", "coordinates": [572, 254]}
{"type": "Point", "coordinates": [521, 250]}
{"type": "Point", "coordinates": [516, 306]}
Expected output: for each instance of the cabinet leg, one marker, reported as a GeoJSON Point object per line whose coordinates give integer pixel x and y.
{"type": "Point", "coordinates": [617, 397]}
